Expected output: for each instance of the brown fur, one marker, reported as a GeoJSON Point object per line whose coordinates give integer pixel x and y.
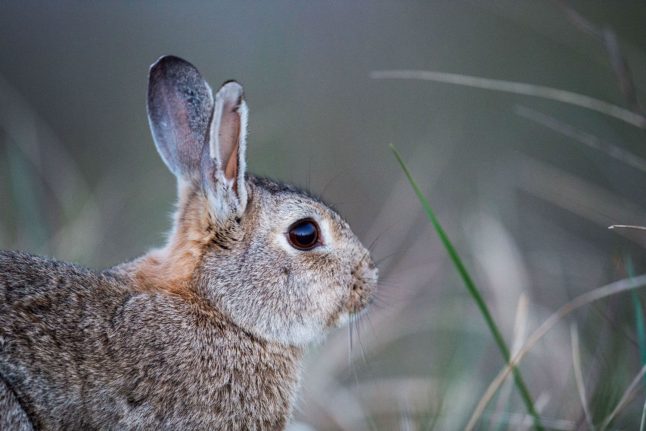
{"type": "Point", "coordinates": [207, 332]}
{"type": "Point", "coordinates": [171, 268]}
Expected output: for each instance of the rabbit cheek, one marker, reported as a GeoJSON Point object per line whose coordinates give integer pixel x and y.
{"type": "Point", "coordinates": [338, 318]}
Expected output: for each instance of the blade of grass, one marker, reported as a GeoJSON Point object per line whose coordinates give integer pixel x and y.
{"type": "Point", "coordinates": [639, 314]}
{"type": "Point", "coordinates": [473, 291]}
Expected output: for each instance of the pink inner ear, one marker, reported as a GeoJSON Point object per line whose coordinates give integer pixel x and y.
{"type": "Point", "coordinates": [231, 169]}
{"type": "Point", "coordinates": [229, 140]}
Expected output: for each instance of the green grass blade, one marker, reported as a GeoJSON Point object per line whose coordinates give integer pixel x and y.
{"type": "Point", "coordinates": [639, 314]}
{"type": "Point", "coordinates": [473, 291]}
{"type": "Point", "coordinates": [639, 323]}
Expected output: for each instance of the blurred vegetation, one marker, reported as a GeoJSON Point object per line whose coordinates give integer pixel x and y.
{"type": "Point", "coordinates": [525, 187]}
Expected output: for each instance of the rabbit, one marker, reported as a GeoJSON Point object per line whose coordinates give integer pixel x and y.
{"type": "Point", "coordinates": [207, 332]}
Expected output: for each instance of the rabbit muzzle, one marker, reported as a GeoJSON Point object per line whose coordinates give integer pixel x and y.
{"type": "Point", "coordinates": [363, 287]}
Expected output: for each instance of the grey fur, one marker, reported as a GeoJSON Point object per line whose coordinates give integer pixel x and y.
{"type": "Point", "coordinates": [207, 332]}
{"type": "Point", "coordinates": [180, 105]}
{"type": "Point", "coordinates": [13, 415]}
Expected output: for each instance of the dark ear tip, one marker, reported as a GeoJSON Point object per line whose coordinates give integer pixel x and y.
{"type": "Point", "coordinates": [167, 62]}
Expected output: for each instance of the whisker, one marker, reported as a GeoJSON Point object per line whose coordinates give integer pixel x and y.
{"type": "Point", "coordinates": [350, 323]}
{"type": "Point", "coordinates": [372, 326]}
{"type": "Point", "coordinates": [309, 170]}
{"type": "Point", "coordinates": [361, 347]}
{"type": "Point", "coordinates": [388, 256]}
{"type": "Point", "coordinates": [386, 294]}
{"type": "Point", "coordinates": [351, 332]}
{"type": "Point", "coordinates": [379, 236]}
{"type": "Point", "coordinates": [329, 182]}
{"type": "Point", "coordinates": [392, 286]}
{"type": "Point", "coordinates": [379, 302]}
{"type": "Point", "coordinates": [364, 258]}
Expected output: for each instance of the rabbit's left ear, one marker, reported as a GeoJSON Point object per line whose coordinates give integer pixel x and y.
{"type": "Point", "coordinates": [223, 160]}
{"type": "Point", "coordinates": [180, 107]}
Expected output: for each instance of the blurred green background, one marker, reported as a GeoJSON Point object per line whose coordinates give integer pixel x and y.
{"type": "Point", "coordinates": [525, 187]}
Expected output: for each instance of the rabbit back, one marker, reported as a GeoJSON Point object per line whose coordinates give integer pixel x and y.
{"type": "Point", "coordinates": [50, 328]}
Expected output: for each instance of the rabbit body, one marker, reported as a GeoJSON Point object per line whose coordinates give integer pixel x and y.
{"type": "Point", "coordinates": [83, 350]}
{"type": "Point", "coordinates": [207, 332]}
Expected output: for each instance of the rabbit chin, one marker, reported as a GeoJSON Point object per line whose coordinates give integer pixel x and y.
{"type": "Point", "coordinates": [293, 334]}
{"type": "Point", "coordinates": [301, 335]}
{"type": "Point", "coordinates": [345, 317]}
{"type": "Point", "coordinates": [341, 320]}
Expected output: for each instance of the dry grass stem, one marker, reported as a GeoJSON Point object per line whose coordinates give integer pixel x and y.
{"type": "Point", "coordinates": [608, 38]}
{"type": "Point", "coordinates": [589, 140]}
{"type": "Point", "coordinates": [578, 302]}
{"type": "Point", "coordinates": [625, 398]}
{"type": "Point", "coordinates": [520, 88]}
{"type": "Point", "coordinates": [626, 226]}
{"type": "Point", "coordinates": [520, 327]}
{"type": "Point", "coordinates": [578, 375]}
{"type": "Point", "coordinates": [517, 420]}
{"type": "Point", "coordinates": [578, 196]}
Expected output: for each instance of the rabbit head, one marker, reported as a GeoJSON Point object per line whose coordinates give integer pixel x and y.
{"type": "Point", "coordinates": [278, 262]}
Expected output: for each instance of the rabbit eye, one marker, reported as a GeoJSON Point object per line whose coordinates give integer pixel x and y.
{"type": "Point", "coordinates": [304, 234]}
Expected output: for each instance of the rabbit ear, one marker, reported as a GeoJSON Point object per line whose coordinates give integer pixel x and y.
{"type": "Point", "coordinates": [223, 164]}
{"type": "Point", "coordinates": [180, 105]}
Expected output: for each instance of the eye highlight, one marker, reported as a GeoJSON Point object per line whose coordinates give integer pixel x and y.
{"type": "Point", "coordinates": [304, 234]}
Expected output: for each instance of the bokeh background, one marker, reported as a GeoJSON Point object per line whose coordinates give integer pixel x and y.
{"type": "Point", "coordinates": [525, 187]}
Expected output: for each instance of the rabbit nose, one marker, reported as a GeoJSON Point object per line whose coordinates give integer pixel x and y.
{"type": "Point", "coordinates": [365, 281]}
{"type": "Point", "coordinates": [359, 298]}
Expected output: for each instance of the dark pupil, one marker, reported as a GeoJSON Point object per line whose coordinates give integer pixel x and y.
{"type": "Point", "coordinates": [303, 234]}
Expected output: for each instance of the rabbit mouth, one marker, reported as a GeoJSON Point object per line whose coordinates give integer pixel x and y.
{"type": "Point", "coordinates": [359, 296]}
{"type": "Point", "coordinates": [357, 304]}
{"type": "Point", "coordinates": [347, 314]}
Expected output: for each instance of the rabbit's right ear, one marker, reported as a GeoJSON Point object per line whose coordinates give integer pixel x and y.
{"type": "Point", "coordinates": [180, 109]}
